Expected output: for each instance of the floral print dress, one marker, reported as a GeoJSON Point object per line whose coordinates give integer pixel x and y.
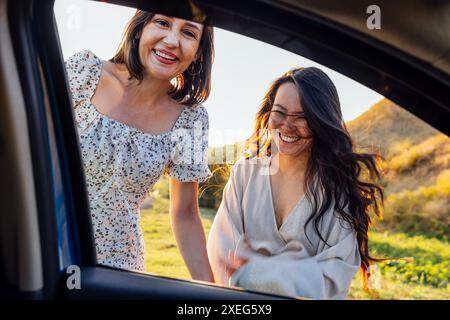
{"type": "Point", "coordinates": [122, 164]}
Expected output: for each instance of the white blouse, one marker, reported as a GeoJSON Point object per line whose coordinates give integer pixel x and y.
{"type": "Point", "coordinates": [293, 266]}
{"type": "Point", "coordinates": [122, 164]}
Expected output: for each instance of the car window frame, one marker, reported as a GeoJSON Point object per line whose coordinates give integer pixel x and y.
{"type": "Point", "coordinates": [45, 85]}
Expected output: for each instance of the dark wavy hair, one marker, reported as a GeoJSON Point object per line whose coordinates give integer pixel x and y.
{"type": "Point", "coordinates": [190, 88]}
{"type": "Point", "coordinates": [341, 172]}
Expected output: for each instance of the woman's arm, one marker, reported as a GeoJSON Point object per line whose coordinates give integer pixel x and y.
{"type": "Point", "coordinates": [188, 229]}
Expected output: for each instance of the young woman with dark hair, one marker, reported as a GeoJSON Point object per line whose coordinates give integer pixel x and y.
{"type": "Point", "coordinates": [294, 218]}
{"type": "Point", "coordinates": [132, 111]}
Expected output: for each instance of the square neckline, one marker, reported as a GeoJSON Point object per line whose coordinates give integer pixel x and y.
{"type": "Point", "coordinates": [99, 65]}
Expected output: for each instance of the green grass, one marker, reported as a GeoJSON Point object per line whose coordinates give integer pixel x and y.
{"type": "Point", "coordinates": [425, 277]}
{"type": "Point", "coordinates": [419, 269]}
{"type": "Point", "coordinates": [162, 255]}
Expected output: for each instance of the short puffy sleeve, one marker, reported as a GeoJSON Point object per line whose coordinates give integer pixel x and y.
{"type": "Point", "coordinates": [83, 71]}
{"type": "Point", "coordinates": [189, 155]}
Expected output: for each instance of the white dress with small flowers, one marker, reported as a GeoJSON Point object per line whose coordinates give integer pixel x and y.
{"type": "Point", "coordinates": [123, 163]}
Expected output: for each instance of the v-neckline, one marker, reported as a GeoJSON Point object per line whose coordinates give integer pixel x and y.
{"type": "Point", "coordinates": [274, 217]}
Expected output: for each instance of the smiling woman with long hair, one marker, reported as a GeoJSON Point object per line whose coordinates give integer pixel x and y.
{"type": "Point", "coordinates": [133, 112]}
{"type": "Point", "coordinates": [295, 213]}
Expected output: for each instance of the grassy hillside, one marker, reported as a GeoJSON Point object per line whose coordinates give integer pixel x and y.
{"type": "Point", "coordinates": [415, 152]}
{"type": "Point", "coordinates": [388, 127]}
{"type": "Point", "coordinates": [417, 166]}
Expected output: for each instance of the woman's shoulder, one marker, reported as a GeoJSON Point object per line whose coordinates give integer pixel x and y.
{"type": "Point", "coordinates": [252, 162]}
{"type": "Point", "coordinates": [83, 56]}
{"type": "Point", "coordinates": [82, 59]}
{"type": "Point", "coordinates": [82, 66]}
{"type": "Point", "coordinates": [83, 71]}
{"type": "Point", "coordinates": [193, 117]}
{"type": "Point", "coordinates": [245, 168]}
{"type": "Point", "coordinates": [198, 112]}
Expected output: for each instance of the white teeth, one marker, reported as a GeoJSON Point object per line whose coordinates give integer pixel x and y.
{"type": "Point", "coordinates": [289, 138]}
{"type": "Point", "coordinates": [163, 55]}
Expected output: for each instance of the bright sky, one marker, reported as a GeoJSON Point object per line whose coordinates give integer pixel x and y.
{"type": "Point", "coordinates": [242, 72]}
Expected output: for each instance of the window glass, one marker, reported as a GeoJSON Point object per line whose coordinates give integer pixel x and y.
{"type": "Point", "coordinates": [132, 144]}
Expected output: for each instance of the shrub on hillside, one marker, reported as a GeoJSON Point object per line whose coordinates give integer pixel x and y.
{"type": "Point", "coordinates": [425, 210]}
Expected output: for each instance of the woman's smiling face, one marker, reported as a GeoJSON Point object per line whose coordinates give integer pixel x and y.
{"type": "Point", "coordinates": [287, 122]}
{"type": "Point", "coordinates": [168, 45]}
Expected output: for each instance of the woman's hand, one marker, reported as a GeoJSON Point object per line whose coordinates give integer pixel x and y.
{"type": "Point", "coordinates": [235, 260]}
{"type": "Point", "coordinates": [233, 263]}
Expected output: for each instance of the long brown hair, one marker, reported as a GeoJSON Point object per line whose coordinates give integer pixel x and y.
{"type": "Point", "coordinates": [341, 172]}
{"type": "Point", "coordinates": [190, 88]}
